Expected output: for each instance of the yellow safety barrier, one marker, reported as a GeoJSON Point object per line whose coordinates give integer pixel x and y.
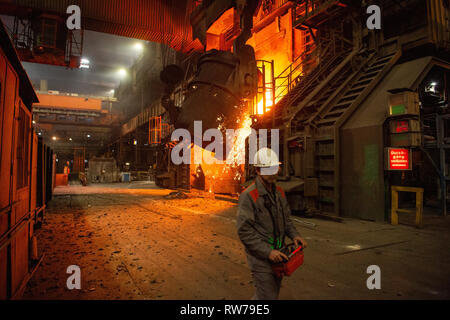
{"type": "Point", "coordinates": [419, 204]}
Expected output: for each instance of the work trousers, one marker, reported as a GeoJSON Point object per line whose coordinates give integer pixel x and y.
{"type": "Point", "coordinates": [267, 286]}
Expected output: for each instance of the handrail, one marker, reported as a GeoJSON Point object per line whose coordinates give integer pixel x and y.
{"type": "Point", "coordinates": [291, 72]}
{"type": "Point", "coordinates": [300, 56]}
{"type": "Point", "coordinates": [319, 87]}
{"type": "Point", "coordinates": [362, 65]}
{"type": "Point", "coordinates": [303, 57]}
{"type": "Point", "coordinates": [315, 6]}
{"type": "Point", "coordinates": [320, 67]}
{"type": "Point", "coordinates": [310, 77]}
{"type": "Point", "coordinates": [288, 77]}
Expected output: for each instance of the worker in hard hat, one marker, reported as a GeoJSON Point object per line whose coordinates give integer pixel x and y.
{"type": "Point", "coordinates": [263, 222]}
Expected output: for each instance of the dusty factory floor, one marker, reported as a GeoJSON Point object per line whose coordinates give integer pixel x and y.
{"type": "Point", "coordinates": [132, 241]}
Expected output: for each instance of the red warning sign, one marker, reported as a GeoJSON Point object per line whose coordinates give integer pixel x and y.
{"type": "Point", "coordinates": [402, 126]}
{"type": "Point", "coordinates": [399, 159]}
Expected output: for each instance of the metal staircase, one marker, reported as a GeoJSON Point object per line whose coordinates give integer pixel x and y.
{"type": "Point", "coordinates": [293, 86]}
{"type": "Point", "coordinates": [291, 76]}
{"type": "Point", "coordinates": [323, 95]}
{"type": "Point", "coordinates": [312, 68]}
{"type": "Point", "coordinates": [332, 115]}
{"type": "Point", "coordinates": [309, 96]}
{"type": "Point", "coordinates": [312, 104]}
{"type": "Point", "coordinates": [328, 116]}
{"type": "Point", "coordinates": [322, 101]}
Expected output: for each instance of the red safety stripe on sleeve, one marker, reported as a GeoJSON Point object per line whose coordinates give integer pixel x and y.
{"type": "Point", "coordinates": [281, 191]}
{"type": "Point", "coordinates": [254, 194]}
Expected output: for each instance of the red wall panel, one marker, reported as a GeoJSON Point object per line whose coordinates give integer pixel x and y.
{"type": "Point", "coordinates": [9, 90]}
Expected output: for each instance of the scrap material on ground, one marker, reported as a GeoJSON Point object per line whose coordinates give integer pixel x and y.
{"type": "Point", "coordinates": [143, 246]}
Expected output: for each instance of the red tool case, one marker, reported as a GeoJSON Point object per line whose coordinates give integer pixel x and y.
{"type": "Point", "coordinates": [287, 268]}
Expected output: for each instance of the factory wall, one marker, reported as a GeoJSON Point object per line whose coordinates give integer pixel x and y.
{"type": "Point", "coordinates": [362, 178]}
{"type": "Point", "coordinates": [364, 189]}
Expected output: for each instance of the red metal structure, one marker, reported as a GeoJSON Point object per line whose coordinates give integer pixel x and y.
{"type": "Point", "coordinates": [157, 20]}
{"type": "Point", "coordinates": [155, 129]}
{"type": "Point", "coordinates": [24, 167]}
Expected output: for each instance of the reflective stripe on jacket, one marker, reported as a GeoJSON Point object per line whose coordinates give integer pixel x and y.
{"type": "Point", "coordinates": [255, 225]}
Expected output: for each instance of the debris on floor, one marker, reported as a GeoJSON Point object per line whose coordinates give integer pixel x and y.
{"type": "Point", "coordinates": [177, 195]}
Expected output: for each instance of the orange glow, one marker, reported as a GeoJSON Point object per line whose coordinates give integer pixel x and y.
{"type": "Point", "coordinates": [224, 22]}
{"type": "Point", "coordinates": [223, 173]}
{"type": "Point", "coordinates": [269, 103]}
{"type": "Point", "coordinates": [237, 153]}
{"type": "Point", "coordinates": [274, 39]}
{"type": "Point", "coordinates": [223, 31]}
{"type": "Point", "coordinates": [68, 102]}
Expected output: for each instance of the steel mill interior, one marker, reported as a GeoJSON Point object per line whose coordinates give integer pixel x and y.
{"type": "Point", "coordinates": [129, 128]}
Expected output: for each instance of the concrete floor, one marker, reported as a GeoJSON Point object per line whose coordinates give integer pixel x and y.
{"type": "Point", "coordinates": [132, 242]}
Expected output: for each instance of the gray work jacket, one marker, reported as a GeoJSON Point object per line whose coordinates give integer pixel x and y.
{"type": "Point", "coordinates": [255, 225]}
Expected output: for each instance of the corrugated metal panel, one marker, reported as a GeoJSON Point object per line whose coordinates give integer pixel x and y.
{"type": "Point", "coordinates": [439, 22]}
{"type": "Point", "coordinates": [164, 21]}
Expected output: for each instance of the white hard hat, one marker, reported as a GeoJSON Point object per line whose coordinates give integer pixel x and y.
{"type": "Point", "coordinates": [266, 157]}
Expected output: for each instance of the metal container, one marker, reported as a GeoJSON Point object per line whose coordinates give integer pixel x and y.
{"type": "Point", "coordinates": [404, 125]}
{"type": "Point", "coordinates": [404, 103]}
{"type": "Point", "coordinates": [408, 139]}
{"type": "Point", "coordinates": [125, 176]}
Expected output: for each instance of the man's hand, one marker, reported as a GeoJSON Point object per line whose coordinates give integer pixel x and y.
{"type": "Point", "coordinates": [277, 256]}
{"type": "Point", "coordinates": [300, 241]}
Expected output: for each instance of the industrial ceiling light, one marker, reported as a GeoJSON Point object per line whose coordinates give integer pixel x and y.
{"type": "Point", "coordinates": [84, 63]}
{"type": "Point", "coordinates": [54, 138]}
{"type": "Point", "coordinates": [138, 47]}
{"type": "Point", "coordinates": [33, 122]}
{"type": "Point", "coordinates": [88, 135]}
{"type": "Point", "coordinates": [431, 87]}
{"type": "Point", "coordinates": [70, 139]}
{"type": "Point", "coordinates": [122, 72]}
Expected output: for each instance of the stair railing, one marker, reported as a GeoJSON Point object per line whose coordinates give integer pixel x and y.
{"type": "Point", "coordinates": [303, 82]}
{"type": "Point", "coordinates": [294, 73]}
